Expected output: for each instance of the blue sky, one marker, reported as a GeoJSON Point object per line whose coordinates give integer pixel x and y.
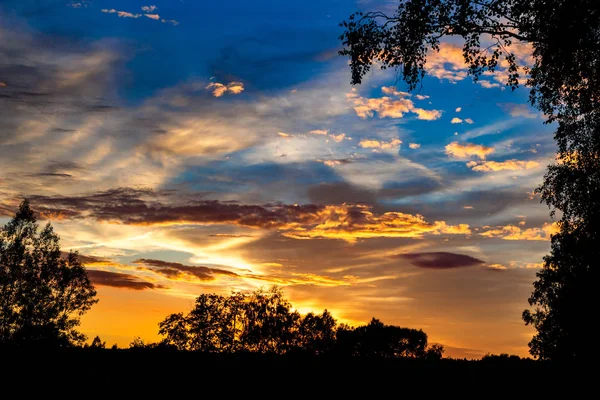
{"type": "Point", "coordinates": [226, 135]}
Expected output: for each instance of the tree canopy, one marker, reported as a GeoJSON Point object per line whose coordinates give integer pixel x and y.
{"type": "Point", "coordinates": [263, 322]}
{"type": "Point", "coordinates": [42, 293]}
{"type": "Point", "coordinates": [564, 83]}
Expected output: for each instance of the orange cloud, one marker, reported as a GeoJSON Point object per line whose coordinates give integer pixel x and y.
{"type": "Point", "coordinates": [414, 145]}
{"type": "Point", "coordinates": [319, 132]}
{"type": "Point", "coordinates": [513, 232]}
{"type": "Point", "coordinates": [508, 165]}
{"type": "Point", "coordinates": [359, 222]}
{"type": "Point", "coordinates": [377, 144]}
{"type": "Point", "coordinates": [456, 120]}
{"type": "Point", "coordinates": [146, 208]}
{"type": "Point", "coordinates": [467, 150]}
{"type": "Point", "coordinates": [447, 63]}
{"type": "Point", "coordinates": [219, 89]}
{"type": "Point", "coordinates": [390, 107]}
{"type": "Point", "coordinates": [121, 14]}
{"type": "Point", "coordinates": [338, 138]}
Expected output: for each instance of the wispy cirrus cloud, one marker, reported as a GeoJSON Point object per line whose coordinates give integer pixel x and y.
{"type": "Point", "coordinates": [508, 165]}
{"type": "Point", "coordinates": [513, 232]}
{"type": "Point", "coordinates": [121, 14]}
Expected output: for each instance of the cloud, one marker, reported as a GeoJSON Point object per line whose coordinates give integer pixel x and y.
{"type": "Point", "coordinates": [440, 260]}
{"type": "Point", "coordinates": [519, 110]}
{"type": "Point", "coordinates": [119, 280]}
{"type": "Point", "coordinates": [513, 232]}
{"type": "Point", "coordinates": [219, 89]}
{"type": "Point", "coordinates": [458, 109]}
{"type": "Point", "coordinates": [487, 84]}
{"type": "Point", "coordinates": [456, 121]}
{"type": "Point", "coordinates": [149, 9]}
{"type": "Point", "coordinates": [155, 17]}
{"type": "Point", "coordinates": [469, 121]}
{"type": "Point", "coordinates": [284, 135]}
{"type": "Point", "coordinates": [447, 63]}
{"type": "Point", "coordinates": [178, 271]}
{"type": "Point", "coordinates": [169, 21]}
{"type": "Point", "coordinates": [392, 91]}
{"type": "Point", "coordinates": [319, 132]}
{"type": "Point", "coordinates": [390, 107]}
{"type": "Point", "coordinates": [414, 146]}
{"type": "Point", "coordinates": [508, 165]}
{"type": "Point", "coordinates": [144, 207]}
{"type": "Point", "coordinates": [121, 14]}
{"type": "Point", "coordinates": [339, 137]}
{"type": "Point", "coordinates": [466, 150]}
{"type": "Point", "coordinates": [421, 97]}
{"type": "Point", "coordinates": [350, 223]}
{"type": "Point", "coordinates": [378, 144]}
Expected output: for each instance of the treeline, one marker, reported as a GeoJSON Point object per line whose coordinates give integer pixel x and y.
{"type": "Point", "coordinates": [263, 321]}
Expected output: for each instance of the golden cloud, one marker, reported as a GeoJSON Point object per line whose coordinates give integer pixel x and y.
{"type": "Point", "coordinates": [338, 138]}
{"type": "Point", "coordinates": [377, 144]}
{"type": "Point", "coordinates": [467, 150]}
{"type": "Point", "coordinates": [390, 107]}
{"type": "Point", "coordinates": [414, 146]}
{"type": "Point", "coordinates": [513, 232]}
{"type": "Point", "coordinates": [508, 165]}
{"type": "Point", "coordinates": [359, 222]}
{"type": "Point", "coordinates": [219, 89]}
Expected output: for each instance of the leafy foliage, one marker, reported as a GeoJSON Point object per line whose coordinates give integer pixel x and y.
{"type": "Point", "coordinates": [42, 294]}
{"type": "Point", "coordinates": [263, 322]}
{"type": "Point", "coordinates": [564, 83]}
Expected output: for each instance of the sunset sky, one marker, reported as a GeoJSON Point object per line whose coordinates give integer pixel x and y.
{"type": "Point", "coordinates": [191, 146]}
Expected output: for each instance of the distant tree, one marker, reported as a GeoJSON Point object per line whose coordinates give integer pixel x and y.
{"type": "Point", "coordinates": [97, 343]}
{"type": "Point", "coordinates": [435, 352]}
{"type": "Point", "coordinates": [564, 83]}
{"type": "Point", "coordinates": [42, 294]}
{"type": "Point", "coordinates": [316, 333]}
{"type": "Point", "coordinates": [176, 330]}
{"type": "Point", "coordinates": [379, 340]}
{"type": "Point", "coordinates": [137, 344]}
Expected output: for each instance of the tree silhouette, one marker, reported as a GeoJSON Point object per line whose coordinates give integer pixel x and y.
{"type": "Point", "coordinates": [317, 333]}
{"type": "Point", "coordinates": [379, 340]}
{"type": "Point", "coordinates": [263, 321]}
{"type": "Point", "coordinates": [42, 295]}
{"type": "Point", "coordinates": [564, 84]}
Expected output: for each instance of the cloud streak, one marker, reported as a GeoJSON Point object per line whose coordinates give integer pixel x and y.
{"type": "Point", "coordinates": [310, 221]}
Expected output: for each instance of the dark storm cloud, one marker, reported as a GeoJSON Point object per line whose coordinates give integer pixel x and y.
{"type": "Point", "coordinates": [119, 280]}
{"type": "Point", "coordinates": [440, 260]}
{"type": "Point", "coordinates": [173, 269]}
{"type": "Point", "coordinates": [143, 207]}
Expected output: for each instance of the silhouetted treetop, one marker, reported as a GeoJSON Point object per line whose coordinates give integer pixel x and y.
{"type": "Point", "coordinates": [42, 294]}
{"type": "Point", "coordinates": [263, 321]}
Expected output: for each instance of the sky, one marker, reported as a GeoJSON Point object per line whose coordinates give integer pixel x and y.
{"type": "Point", "coordinates": [187, 147]}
